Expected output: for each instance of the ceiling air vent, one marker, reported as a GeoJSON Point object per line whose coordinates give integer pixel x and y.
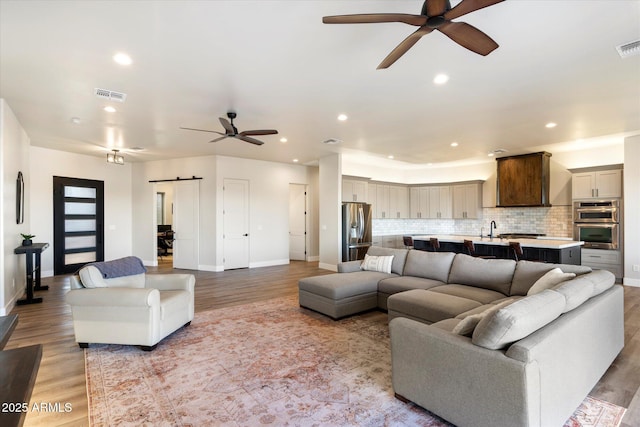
{"type": "Point", "coordinates": [110, 95]}
{"type": "Point", "coordinates": [332, 141]}
{"type": "Point", "coordinates": [629, 49]}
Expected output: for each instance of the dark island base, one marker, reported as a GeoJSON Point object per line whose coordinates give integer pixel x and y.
{"type": "Point", "coordinates": [557, 256]}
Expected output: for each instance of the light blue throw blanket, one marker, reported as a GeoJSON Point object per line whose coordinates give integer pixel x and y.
{"type": "Point", "coordinates": [127, 266]}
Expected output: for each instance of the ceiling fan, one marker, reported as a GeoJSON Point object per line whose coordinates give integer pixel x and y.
{"type": "Point", "coordinates": [435, 15]}
{"type": "Point", "coordinates": [232, 132]}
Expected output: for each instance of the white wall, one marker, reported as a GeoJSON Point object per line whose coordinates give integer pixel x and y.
{"type": "Point", "coordinates": [631, 210]}
{"type": "Point", "coordinates": [144, 194]}
{"type": "Point", "coordinates": [330, 211]}
{"type": "Point", "coordinates": [268, 206]}
{"type": "Point", "coordinates": [46, 163]}
{"type": "Point", "coordinates": [14, 157]}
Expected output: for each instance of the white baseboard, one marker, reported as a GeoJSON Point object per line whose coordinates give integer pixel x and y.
{"type": "Point", "coordinates": [269, 263]}
{"type": "Point", "coordinates": [313, 258]}
{"type": "Point", "coordinates": [326, 266]}
{"type": "Point", "coordinates": [148, 263]}
{"type": "Point", "coordinates": [214, 268]}
{"type": "Point", "coordinates": [631, 282]}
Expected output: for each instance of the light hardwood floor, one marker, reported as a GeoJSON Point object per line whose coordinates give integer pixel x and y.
{"type": "Point", "coordinates": [61, 377]}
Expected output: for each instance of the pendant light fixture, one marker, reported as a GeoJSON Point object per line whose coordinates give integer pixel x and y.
{"type": "Point", "coordinates": [114, 157]}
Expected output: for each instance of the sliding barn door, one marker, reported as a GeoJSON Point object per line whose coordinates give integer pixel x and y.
{"type": "Point", "coordinates": [78, 223]}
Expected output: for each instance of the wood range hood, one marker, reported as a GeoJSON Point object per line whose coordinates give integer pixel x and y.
{"type": "Point", "coordinates": [523, 181]}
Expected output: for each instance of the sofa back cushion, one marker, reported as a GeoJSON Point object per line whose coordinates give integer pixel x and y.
{"type": "Point", "coordinates": [528, 272]}
{"type": "Point", "coordinates": [493, 274]}
{"type": "Point", "coordinates": [429, 265]}
{"type": "Point", "coordinates": [399, 257]}
{"type": "Point", "coordinates": [519, 319]}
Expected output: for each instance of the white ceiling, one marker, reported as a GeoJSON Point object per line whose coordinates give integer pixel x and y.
{"type": "Point", "coordinates": [278, 66]}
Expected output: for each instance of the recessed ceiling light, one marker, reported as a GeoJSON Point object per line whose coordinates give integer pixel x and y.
{"type": "Point", "coordinates": [440, 79]}
{"type": "Point", "coordinates": [429, 164]}
{"type": "Point", "coordinates": [109, 109]}
{"type": "Point", "coordinates": [550, 125]}
{"type": "Point", "coordinates": [490, 154]}
{"type": "Point", "coordinates": [454, 144]}
{"type": "Point", "coordinates": [295, 160]}
{"type": "Point", "coordinates": [75, 120]}
{"type": "Point", "coordinates": [122, 58]}
{"type": "Point", "coordinates": [342, 117]}
{"type": "Point", "coordinates": [283, 140]}
{"type": "Point", "coordinates": [390, 156]}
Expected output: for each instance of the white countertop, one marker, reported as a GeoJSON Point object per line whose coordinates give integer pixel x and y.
{"type": "Point", "coordinates": [529, 243]}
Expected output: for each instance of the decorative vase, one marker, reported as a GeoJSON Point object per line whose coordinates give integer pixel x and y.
{"type": "Point", "coordinates": [27, 242]}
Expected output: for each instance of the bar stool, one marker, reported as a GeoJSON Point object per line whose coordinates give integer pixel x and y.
{"type": "Point", "coordinates": [516, 249]}
{"type": "Point", "coordinates": [471, 250]}
{"type": "Point", "coordinates": [408, 242]}
{"type": "Point", "coordinates": [435, 244]}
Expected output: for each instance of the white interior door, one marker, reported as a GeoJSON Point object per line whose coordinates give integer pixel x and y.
{"type": "Point", "coordinates": [235, 223]}
{"type": "Point", "coordinates": [297, 222]}
{"type": "Point", "coordinates": [186, 222]}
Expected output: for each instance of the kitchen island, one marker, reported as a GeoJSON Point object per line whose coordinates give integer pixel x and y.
{"type": "Point", "coordinates": [557, 251]}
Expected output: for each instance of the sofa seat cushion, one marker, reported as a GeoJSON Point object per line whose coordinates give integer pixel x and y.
{"type": "Point", "coordinates": [483, 296]}
{"type": "Point", "coordinates": [518, 319]}
{"type": "Point", "coordinates": [486, 307]}
{"type": "Point", "coordinates": [172, 302]}
{"type": "Point", "coordinates": [338, 286]}
{"type": "Point", "coordinates": [428, 306]}
{"type": "Point", "coordinates": [528, 272]}
{"type": "Point", "coordinates": [493, 274]}
{"type": "Point", "coordinates": [429, 265]}
{"type": "Point", "coordinates": [447, 324]}
{"type": "Point", "coordinates": [394, 285]}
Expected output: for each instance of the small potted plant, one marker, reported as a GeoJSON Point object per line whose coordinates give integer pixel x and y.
{"type": "Point", "coordinates": [27, 239]}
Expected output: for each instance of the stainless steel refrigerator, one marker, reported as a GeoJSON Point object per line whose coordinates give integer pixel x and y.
{"type": "Point", "coordinates": [356, 230]}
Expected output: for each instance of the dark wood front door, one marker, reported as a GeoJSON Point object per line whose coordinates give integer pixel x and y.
{"type": "Point", "coordinates": [78, 223]}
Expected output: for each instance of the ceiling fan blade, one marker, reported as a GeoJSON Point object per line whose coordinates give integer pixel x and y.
{"type": "Point", "coordinates": [435, 7]}
{"type": "Point", "coordinates": [403, 47]}
{"type": "Point", "coordinates": [258, 132]}
{"type": "Point", "coordinates": [469, 36]}
{"type": "Point", "coordinates": [373, 18]}
{"type": "Point", "coordinates": [227, 126]}
{"type": "Point", "coordinates": [468, 6]}
{"type": "Point", "coordinates": [203, 130]}
{"type": "Point", "coordinates": [250, 140]}
{"type": "Point", "coordinates": [219, 139]}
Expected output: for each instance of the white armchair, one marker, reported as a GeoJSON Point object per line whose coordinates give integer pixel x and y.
{"type": "Point", "coordinates": [140, 309]}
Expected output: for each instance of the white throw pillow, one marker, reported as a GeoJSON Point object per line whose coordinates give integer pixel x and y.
{"type": "Point", "coordinates": [377, 263]}
{"type": "Point", "coordinates": [550, 279]}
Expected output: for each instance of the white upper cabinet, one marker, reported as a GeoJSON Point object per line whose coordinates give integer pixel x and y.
{"type": "Point", "coordinates": [354, 190]}
{"type": "Point", "coordinates": [419, 202]}
{"type": "Point", "coordinates": [440, 202]}
{"type": "Point", "coordinates": [597, 184]}
{"type": "Point", "coordinates": [398, 201]}
{"type": "Point", "coordinates": [467, 201]}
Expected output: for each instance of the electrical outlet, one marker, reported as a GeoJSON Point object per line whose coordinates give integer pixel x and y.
{"type": "Point", "coordinates": [636, 267]}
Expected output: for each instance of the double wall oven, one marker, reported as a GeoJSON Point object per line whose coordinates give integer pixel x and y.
{"type": "Point", "coordinates": [597, 223]}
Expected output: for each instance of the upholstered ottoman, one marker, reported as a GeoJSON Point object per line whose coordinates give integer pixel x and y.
{"type": "Point", "coordinates": [427, 306]}
{"type": "Point", "coordinates": [341, 294]}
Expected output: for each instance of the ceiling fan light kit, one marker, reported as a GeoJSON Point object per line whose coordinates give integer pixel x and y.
{"type": "Point", "coordinates": [232, 132]}
{"type": "Point", "coordinates": [435, 15]}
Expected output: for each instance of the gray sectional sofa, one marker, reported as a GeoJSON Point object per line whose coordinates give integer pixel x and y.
{"type": "Point", "coordinates": [470, 345]}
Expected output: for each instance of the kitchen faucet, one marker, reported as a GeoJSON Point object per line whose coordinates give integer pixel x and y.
{"type": "Point", "coordinates": [492, 226]}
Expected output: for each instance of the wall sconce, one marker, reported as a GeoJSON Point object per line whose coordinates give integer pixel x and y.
{"type": "Point", "coordinates": [115, 158]}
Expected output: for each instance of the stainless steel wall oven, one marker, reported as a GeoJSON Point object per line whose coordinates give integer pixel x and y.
{"type": "Point", "coordinates": [597, 223]}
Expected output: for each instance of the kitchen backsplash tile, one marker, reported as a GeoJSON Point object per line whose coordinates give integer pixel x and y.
{"type": "Point", "coordinates": [555, 221]}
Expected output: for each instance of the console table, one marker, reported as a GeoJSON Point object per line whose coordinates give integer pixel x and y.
{"type": "Point", "coordinates": [33, 271]}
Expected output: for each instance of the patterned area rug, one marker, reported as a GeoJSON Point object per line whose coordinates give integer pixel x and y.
{"type": "Point", "coordinates": [265, 364]}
